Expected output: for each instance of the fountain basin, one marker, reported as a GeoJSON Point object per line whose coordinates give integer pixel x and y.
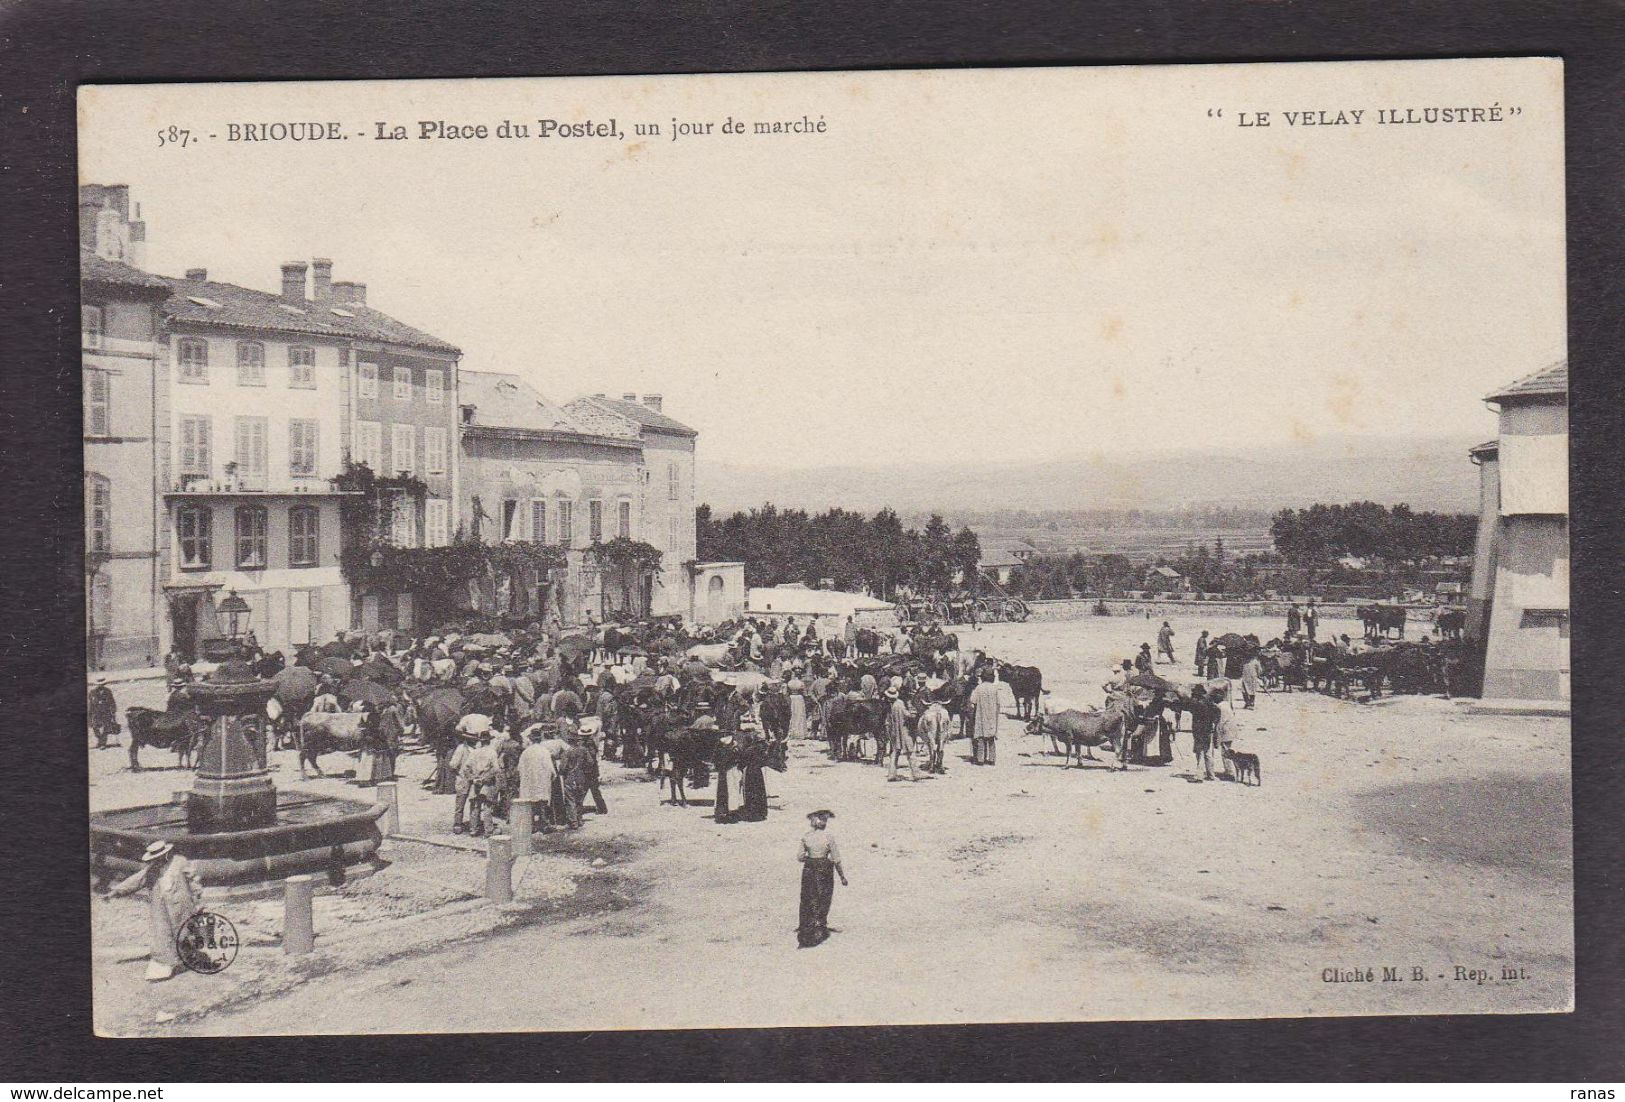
{"type": "Point", "coordinates": [311, 834]}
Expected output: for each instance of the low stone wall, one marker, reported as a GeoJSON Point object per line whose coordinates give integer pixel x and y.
{"type": "Point", "coordinates": [1084, 608]}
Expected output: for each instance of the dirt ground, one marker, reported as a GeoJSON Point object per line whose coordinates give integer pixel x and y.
{"type": "Point", "coordinates": [1405, 834]}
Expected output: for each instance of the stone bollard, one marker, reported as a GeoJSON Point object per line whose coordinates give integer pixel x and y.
{"type": "Point", "coordinates": [524, 812]}
{"type": "Point", "coordinates": [298, 922]}
{"type": "Point", "coordinates": [499, 869]}
{"type": "Point", "coordinates": [389, 796]}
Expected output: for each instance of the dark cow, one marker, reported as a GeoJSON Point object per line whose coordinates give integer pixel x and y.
{"type": "Point", "coordinates": [1026, 684]}
{"type": "Point", "coordinates": [179, 728]}
{"type": "Point", "coordinates": [850, 720]}
{"type": "Point", "coordinates": [867, 642]}
{"type": "Point", "coordinates": [1379, 620]}
{"type": "Point", "coordinates": [1452, 621]}
{"type": "Point", "coordinates": [435, 712]}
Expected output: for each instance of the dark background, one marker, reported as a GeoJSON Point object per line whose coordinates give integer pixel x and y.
{"type": "Point", "coordinates": [48, 47]}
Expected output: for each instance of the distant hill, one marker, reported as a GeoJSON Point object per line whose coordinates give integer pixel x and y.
{"type": "Point", "coordinates": [1431, 473]}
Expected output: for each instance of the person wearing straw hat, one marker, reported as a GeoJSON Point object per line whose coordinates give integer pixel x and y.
{"type": "Point", "coordinates": [820, 864]}
{"type": "Point", "coordinates": [176, 896]}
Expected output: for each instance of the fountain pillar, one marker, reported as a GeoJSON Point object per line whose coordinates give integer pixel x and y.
{"type": "Point", "coordinates": [232, 790]}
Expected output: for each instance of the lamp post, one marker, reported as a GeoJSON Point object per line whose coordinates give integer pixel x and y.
{"type": "Point", "coordinates": [235, 609]}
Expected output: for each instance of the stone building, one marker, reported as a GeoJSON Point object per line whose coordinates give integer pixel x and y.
{"type": "Point", "coordinates": [126, 441]}
{"type": "Point", "coordinates": [531, 471]}
{"type": "Point", "coordinates": [251, 410]}
{"type": "Point", "coordinates": [667, 502]}
{"type": "Point", "coordinates": [1519, 599]}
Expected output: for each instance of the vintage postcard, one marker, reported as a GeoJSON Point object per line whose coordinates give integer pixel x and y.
{"type": "Point", "coordinates": [827, 548]}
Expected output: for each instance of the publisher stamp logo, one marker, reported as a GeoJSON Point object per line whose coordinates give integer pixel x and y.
{"type": "Point", "coordinates": [207, 943]}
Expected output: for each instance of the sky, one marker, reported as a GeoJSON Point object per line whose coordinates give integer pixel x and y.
{"type": "Point", "coordinates": [972, 266]}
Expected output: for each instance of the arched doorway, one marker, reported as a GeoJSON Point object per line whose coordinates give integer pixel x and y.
{"type": "Point", "coordinates": [716, 599]}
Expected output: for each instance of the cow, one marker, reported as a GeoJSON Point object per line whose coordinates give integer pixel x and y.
{"type": "Point", "coordinates": [1451, 622]}
{"type": "Point", "coordinates": [850, 720]}
{"type": "Point", "coordinates": [324, 732]}
{"type": "Point", "coordinates": [1379, 620]}
{"type": "Point", "coordinates": [867, 642]}
{"type": "Point", "coordinates": [712, 654]}
{"type": "Point", "coordinates": [1077, 733]}
{"type": "Point", "coordinates": [1026, 685]}
{"type": "Point", "coordinates": [179, 728]}
{"type": "Point", "coordinates": [435, 712]}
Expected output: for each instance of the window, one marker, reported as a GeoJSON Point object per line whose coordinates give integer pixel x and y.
{"type": "Point", "coordinates": [595, 521]}
{"type": "Point", "coordinates": [434, 387]}
{"type": "Point", "coordinates": [192, 358]}
{"type": "Point", "coordinates": [538, 521]}
{"type": "Point", "coordinates": [403, 521]}
{"type": "Point", "coordinates": [434, 451]}
{"type": "Point", "coordinates": [402, 389]}
{"type": "Point", "coordinates": [304, 535]}
{"type": "Point", "coordinates": [671, 481]}
{"type": "Point", "coordinates": [302, 436]}
{"type": "Point", "coordinates": [195, 458]}
{"type": "Point", "coordinates": [566, 523]}
{"type": "Point", "coordinates": [510, 519]}
{"type": "Point", "coordinates": [623, 520]}
{"type": "Point", "coordinates": [251, 453]}
{"type": "Point", "coordinates": [402, 445]}
{"type": "Point", "coordinates": [98, 411]}
{"type": "Point", "coordinates": [369, 379]}
{"type": "Point", "coordinates": [90, 326]}
{"type": "Point", "coordinates": [302, 367]}
{"type": "Point", "coordinates": [250, 537]}
{"type": "Point", "coordinates": [437, 522]}
{"type": "Point", "coordinates": [98, 511]}
{"type": "Point", "coordinates": [250, 363]}
{"type": "Point", "coordinates": [369, 447]}
{"type": "Point", "coordinates": [194, 525]}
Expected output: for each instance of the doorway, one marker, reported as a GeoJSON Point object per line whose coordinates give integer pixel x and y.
{"type": "Point", "coordinates": [183, 625]}
{"type": "Point", "coordinates": [716, 599]}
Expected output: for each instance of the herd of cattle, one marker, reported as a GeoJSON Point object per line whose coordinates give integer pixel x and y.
{"type": "Point", "coordinates": [694, 719]}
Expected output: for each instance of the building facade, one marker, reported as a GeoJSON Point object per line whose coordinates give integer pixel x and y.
{"type": "Point", "coordinates": [532, 472]}
{"type": "Point", "coordinates": [126, 441]}
{"type": "Point", "coordinates": [667, 502]}
{"type": "Point", "coordinates": [403, 421]}
{"type": "Point", "coordinates": [1520, 591]}
{"type": "Point", "coordinates": [258, 386]}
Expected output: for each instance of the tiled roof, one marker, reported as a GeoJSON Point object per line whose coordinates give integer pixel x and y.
{"type": "Point", "coordinates": [1547, 382]}
{"type": "Point", "coordinates": [246, 308]}
{"type": "Point", "coordinates": [595, 418]}
{"type": "Point", "coordinates": [116, 273]}
{"type": "Point", "coordinates": [501, 400]}
{"type": "Point", "coordinates": [643, 415]}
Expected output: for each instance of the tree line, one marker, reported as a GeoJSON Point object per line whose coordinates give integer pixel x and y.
{"type": "Point", "coordinates": [845, 549]}
{"type": "Point", "coordinates": [1322, 533]}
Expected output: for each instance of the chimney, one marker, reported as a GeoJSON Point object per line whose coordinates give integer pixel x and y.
{"type": "Point", "coordinates": [293, 281]}
{"type": "Point", "coordinates": [321, 279]}
{"type": "Point", "coordinates": [629, 398]}
{"type": "Point", "coordinates": [346, 293]}
{"type": "Point", "coordinates": [199, 275]}
{"type": "Point", "coordinates": [653, 401]}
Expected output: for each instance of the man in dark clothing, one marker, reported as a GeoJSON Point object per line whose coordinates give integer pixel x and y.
{"type": "Point", "coordinates": [1201, 655]}
{"type": "Point", "coordinates": [1142, 661]}
{"type": "Point", "coordinates": [574, 767]}
{"type": "Point", "coordinates": [1294, 619]}
{"type": "Point", "coordinates": [103, 712]}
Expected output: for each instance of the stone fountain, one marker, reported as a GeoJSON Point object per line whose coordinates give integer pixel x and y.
{"type": "Point", "coordinates": [233, 823]}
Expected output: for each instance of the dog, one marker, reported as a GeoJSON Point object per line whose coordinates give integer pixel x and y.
{"type": "Point", "coordinates": [1245, 765]}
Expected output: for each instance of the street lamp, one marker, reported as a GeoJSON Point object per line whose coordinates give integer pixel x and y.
{"type": "Point", "coordinates": [235, 609]}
